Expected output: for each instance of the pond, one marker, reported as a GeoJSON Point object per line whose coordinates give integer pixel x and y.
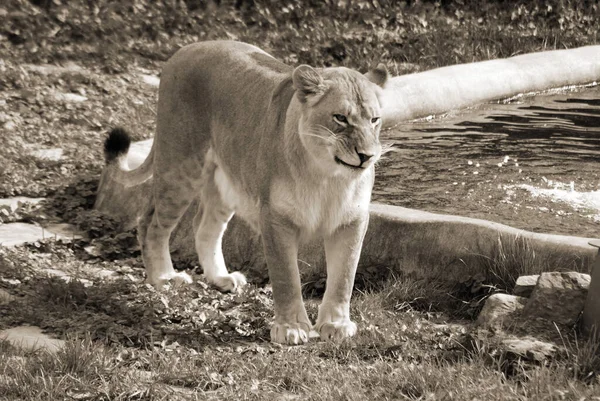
{"type": "Point", "coordinates": [529, 162]}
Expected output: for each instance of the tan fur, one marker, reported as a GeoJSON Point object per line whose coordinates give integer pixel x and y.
{"type": "Point", "coordinates": [130, 177]}
{"type": "Point", "coordinates": [253, 136]}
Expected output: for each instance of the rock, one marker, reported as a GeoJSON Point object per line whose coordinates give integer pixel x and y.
{"type": "Point", "coordinates": [124, 269]}
{"type": "Point", "coordinates": [9, 125]}
{"type": "Point", "coordinates": [105, 273]}
{"type": "Point", "coordinates": [66, 278]}
{"type": "Point", "coordinates": [558, 297]}
{"type": "Point", "coordinates": [19, 233]}
{"type": "Point", "coordinates": [5, 297]}
{"type": "Point", "coordinates": [69, 97]}
{"type": "Point", "coordinates": [151, 80]}
{"type": "Point", "coordinates": [13, 203]}
{"type": "Point", "coordinates": [14, 234]}
{"type": "Point", "coordinates": [48, 69]}
{"type": "Point", "coordinates": [54, 154]}
{"type": "Point", "coordinates": [525, 284]}
{"type": "Point", "coordinates": [529, 348]}
{"type": "Point", "coordinates": [498, 308]}
{"type": "Point", "coordinates": [92, 250]}
{"type": "Point", "coordinates": [31, 338]}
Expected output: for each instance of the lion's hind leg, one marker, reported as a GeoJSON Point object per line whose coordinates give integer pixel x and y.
{"type": "Point", "coordinates": [210, 223]}
{"type": "Point", "coordinates": [172, 194]}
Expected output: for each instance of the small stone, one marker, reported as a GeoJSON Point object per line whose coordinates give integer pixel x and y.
{"type": "Point", "coordinates": [69, 97]}
{"type": "Point", "coordinates": [105, 273]}
{"type": "Point", "coordinates": [525, 285]}
{"type": "Point", "coordinates": [66, 278]}
{"type": "Point", "coordinates": [92, 250]}
{"type": "Point", "coordinates": [54, 154]}
{"type": "Point", "coordinates": [5, 297]}
{"type": "Point", "coordinates": [529, 348]}
{"type": "Point", "coordinates": [499, 308]}
{"type": "Point", "coordinates": [31, 338]}
{"type": "Point", "coordinates": [11, 281]}
{"type": "Point", "coordinates": [9, 125]}
{"type": "Point", "coordinates": [13, 203]}
{"type": "Point", "coordinates": [58, 273]}
{"type": "Point", "coordinates": [19, 233]}
{"type": "Point", "coordinates": [558, 297]}
{"type": "Point", "coordinates": [151, 80]}
{"type": "Point", "coordinates": [14, 234]}
{"type": "Point", "coordinates": [124, 269]}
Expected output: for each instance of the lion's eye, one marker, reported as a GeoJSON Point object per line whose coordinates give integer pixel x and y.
{"type": "Point", "coordinates": [340, 119]}
{"type": "Point", "coordinates": [375, 120]}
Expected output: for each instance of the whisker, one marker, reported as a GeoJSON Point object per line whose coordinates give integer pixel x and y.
{"type": "Point", "coordinates": [330, 132]}
{"type": "Point", "coordinates": [386, 148]}
{"type": "Point", "coordinates": [323, 131]}
{"type": "Point", "coordinates": [325, 138]}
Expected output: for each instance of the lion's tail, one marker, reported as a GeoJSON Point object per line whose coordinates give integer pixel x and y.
{"type": "Point", "coordinates": [116, 148]}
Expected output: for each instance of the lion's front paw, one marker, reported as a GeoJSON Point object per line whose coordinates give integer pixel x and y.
{"type": "Point", "coordinates": [229, 283]}
{"type": "Point", "coordinates": [174, 279]}
{"type": "Point", "coordinates": [290, 333]}
{"type": "Point", "coordinates": [336, 331]}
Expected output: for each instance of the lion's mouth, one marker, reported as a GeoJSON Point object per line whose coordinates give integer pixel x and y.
{"type": "Point", "coordinates": [352, 166]}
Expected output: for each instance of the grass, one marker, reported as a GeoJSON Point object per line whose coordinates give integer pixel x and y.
{"type": "Point", "coordinates": [125, 341]}
{"type": "Point", "coordinates": [513, 256]}
{"type": "Point", "coordinates": [425, 33]}
{"type": "Point", "coordinates": [369, 367]}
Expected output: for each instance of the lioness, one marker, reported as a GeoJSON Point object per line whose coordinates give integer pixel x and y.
{"type": "Point", "coordinates": [290, 150]}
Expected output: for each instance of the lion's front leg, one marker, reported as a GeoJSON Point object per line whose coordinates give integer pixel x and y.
{"type": "Point", "coordinates": [342, 250]}
{"type": "Point", "coordinates": [280, 241]}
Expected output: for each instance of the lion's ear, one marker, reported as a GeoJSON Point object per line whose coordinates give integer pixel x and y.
{"type": "Point", "coordinates": [308, 82]}
{"type": "Point", "coordinates": [378, 75]}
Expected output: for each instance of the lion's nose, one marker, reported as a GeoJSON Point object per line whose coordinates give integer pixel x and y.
{"type": "Point", "coordinates": [363, 156]}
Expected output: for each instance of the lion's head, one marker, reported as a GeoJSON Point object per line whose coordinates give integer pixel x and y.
{"type": "Point", "coordinates": [341, 116]}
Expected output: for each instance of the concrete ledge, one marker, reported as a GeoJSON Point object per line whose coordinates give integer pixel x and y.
{"type": "Point", "coordinates": [455, 87]}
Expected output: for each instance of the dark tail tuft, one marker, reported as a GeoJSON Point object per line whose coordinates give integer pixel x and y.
{"type": "Point", "coordinates": [116, 144]}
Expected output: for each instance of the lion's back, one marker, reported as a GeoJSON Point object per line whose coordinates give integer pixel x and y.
{"type": "Point", "coordinates": [218, 80]}
{"type": "Point", "coordinates": [221, 95]}
{"type": "Point", "coordinates": [226, 66]}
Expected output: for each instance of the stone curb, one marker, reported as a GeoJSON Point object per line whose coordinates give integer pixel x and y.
{"type": "Point", "coordinates": [455, 87]}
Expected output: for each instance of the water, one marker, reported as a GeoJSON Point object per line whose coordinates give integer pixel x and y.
{"type": "Point", "coordinates": [532, 163]}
